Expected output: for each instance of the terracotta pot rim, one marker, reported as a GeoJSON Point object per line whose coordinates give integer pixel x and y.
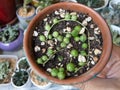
{"type": "Point", "coordinates": [93, 71]}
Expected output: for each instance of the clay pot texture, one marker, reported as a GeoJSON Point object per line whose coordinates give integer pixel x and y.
{"type": "Point", "coordinates": [106, 35]}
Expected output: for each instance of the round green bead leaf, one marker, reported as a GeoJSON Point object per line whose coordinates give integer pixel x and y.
{"type": "Point", "coordinates": [40, 61]}
{"type": "Point", "coordinates": [78, 28]}
{"type": "Point", "coordinates": [67, 16]}
{"type": "Point", "coordinates": [70, 67]}
{"type": "Point", "coordinates": [82, 64]}
{"type": "Point", "coordinates": [55, 34]}
{"type": "Point", "coordinates": [66, 40]}
{"type": "Point", "coordinates": [61, 75]}
{"type": "Point", "coordinates": [74, 53]}
{"type": "Point", "coordinates": [42, 38]}
{"type": "Point", "coordinates": [83, 53]}
{"type": "Point", "coordinates": [84, 45]}
{"type": "Point", "coordinates": [63, 44]}
{"type": "Point", "coordinates": [44, 58]}
{"type": "Point", "coordinates": [54, 72]}
{"type": "Point", "coordinates": [83, 38]}
{"type": "Point", "coordinates": [60, 38]}
{"type": "Point", "coordinates": [74, 17]}
{"type": "Point", "coordinates": [75, 33]}
{"type": "Point", "coordinates": [47, 27]}
{"type": "Point", "coordinates": [76, 39]}
{"type": "Point", "coordinates": [55, 20]}
{"type": "Point", "coordinates": [50, 52]}
{"type": "Point", "coordinates": [61, 69]}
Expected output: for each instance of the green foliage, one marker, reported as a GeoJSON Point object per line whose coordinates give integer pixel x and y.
{"type": "Point", "coordinates": [20, 77]}
{"type": "Point", "coordinates": [92, 3]}
{"type": "Point", "coordinates": [116, 37]}
{"type": "Point", "coordinates": [23, 64]}
{"type": "Point", "coordinates": [9, 34]}
{"type": "Point", "coordinates": [4, 69]}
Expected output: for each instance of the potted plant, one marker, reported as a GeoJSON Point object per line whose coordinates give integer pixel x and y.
{"type": "Point", "coordinates": [43, 3]}
{"type": "Point", "coordinates": [7, 67]}
{"type": "Point", "coordinates": [11, 38]}
{"type": "Point", "coordinates": [39, 81]}
{"type": "Point", "coordinates": [7, 12]}
{"type": "Point", "coordinates": [95, 4]}
{"type": "Point", "coordinates": [21, 79]}
{"type": "Point", "coordinates": [115, 34]}
{"type": "Point", "coordinates": [25, 13]}
{"type": "Point", "coordinates": [60, 47]}
{"type": "Point", "coordinates": [23, 64]}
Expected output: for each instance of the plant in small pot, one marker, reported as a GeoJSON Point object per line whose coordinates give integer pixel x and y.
{"type": "Point", "coordinates": [66, 43]}
{"type": "Point", "coordinates": [11, 38]}
{"type": "Point", "coordinates": [7, 67]}
{"type": "Point", "coordinates": [25, 13]}
{"type": "Point", "coordinates": [44, 3]}
{"type": "Point", "coordinates": [21, 79]}
{"type": "Point", "coordinates": [95, 4]}
{"type": "Point", "coordinates": [23, 64]}
{"type": "Point", "coordinates": [39, 81]}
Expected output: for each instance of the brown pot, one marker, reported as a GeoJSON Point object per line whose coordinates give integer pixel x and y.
{"type": "Point", "coordinates": [107, 42]}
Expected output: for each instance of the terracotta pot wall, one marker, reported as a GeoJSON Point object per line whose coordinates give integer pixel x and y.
{"type": "Point", "coordinates": [7, 11]}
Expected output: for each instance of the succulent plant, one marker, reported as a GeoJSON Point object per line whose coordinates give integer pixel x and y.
{"type": "Point", "coordinates": [9, 34]}
{"type": "Point", "coordinates": [23, 64]}
{"type": "Point", "coordinates": [92, 3]}
{"type": "Point", "coordinates": [116, 38]}
{"type": "Point", "coordinates": [20, 77]}
{"type": "Point", "coordinates": [4, 69]}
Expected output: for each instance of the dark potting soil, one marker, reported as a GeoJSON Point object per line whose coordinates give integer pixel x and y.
{"type": "Point", "coordinates": [64, 26]}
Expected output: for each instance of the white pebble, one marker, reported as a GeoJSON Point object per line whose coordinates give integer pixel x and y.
{"type": "Point", "coordinates": [96, 29]}
{"type": "Point", "coordinates": [81, 58]}
{"type": "Point", "coordinates": [62, 15]}
{"type": "Point", "coordinates": [73, 13]}
{"type": "Point", "coordinates": [91, 38]}
{"type": "Point", "coordinates": [35, 33]}
{"type": "Point", "coordinates": [96, 32]}
{"type": "Point", "coordinates": [57, 13]}
{"type": "Point", "coordinates": [49, 69]}
{"type": "Point", "coordinates": [37, 48]}
{"type": "Point", "coordinates": [82, 30]}
{"type": "Point", "coordinates": [92, 62]}
{"type": "Point", "coordinates": [45, 19]}
{"type": "Point", "coordinates": [97, 51]}
{"type": "Point", "coordinates": [42, 43]}
{"type": "Point", "coordinates": [69, 45]}
{"type": "Point", "coordinates": [45, 33]}
{"type": "Point", "coordinates": [84, 23]}
{"type": "Point", "coordinates": [88, 19]}
{"type": "Point", "coordinates": [68, 29]}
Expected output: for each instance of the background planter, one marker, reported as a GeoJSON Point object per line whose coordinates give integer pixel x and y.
{"type": "Point", "coordinates": [7, 11]}
{"type": "Point", "coordinates": [107, 42]}
{"type": "Point", "coordinates": [14, 44]}
{"type": "Point", "coordinates": [24, 21]}
{"type": "Point", "coordinates": [45, 87]}
{"type": "Point", "coordinates": [27, 84]}
{"type": "Point", "coordinates": [105, 4]}
{"type": "Point", "coordinates": [21, 59]}
{"type": "Point", "coordinates": [13, 59]}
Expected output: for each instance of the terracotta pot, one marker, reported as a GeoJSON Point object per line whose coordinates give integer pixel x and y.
{"type": "Point", "coordinates": [107, 42]}
{"type": "Point", "coordinates": [7, 11]}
